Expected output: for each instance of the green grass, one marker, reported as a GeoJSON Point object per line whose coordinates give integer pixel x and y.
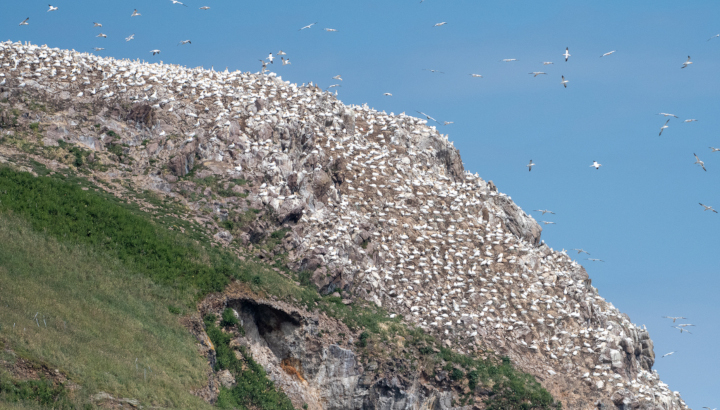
{"type": "Point", "coordinates": [95, 317]}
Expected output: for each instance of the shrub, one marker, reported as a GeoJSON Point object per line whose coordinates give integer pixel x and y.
{"type": "Point", "coordinates": [228, 318]}
{"type": "Point", "coordinates": [362, 339]}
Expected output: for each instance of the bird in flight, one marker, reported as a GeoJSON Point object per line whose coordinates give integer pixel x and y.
{"type": "Point", "coordinates": [537, 73]}
{"type": "Point", "coordinates": [270, 58]}
{"type": "Point", "coordinates": [567, 53]}
{"type": "Point", "coordinates": [132, 36]}
{"type": "Point", "coordinates": [25, 22]}
{"type": "Point", "coordinates": [330, 30]}
{"type": "Point", "coordinates": [596, 165]}
{"type": "Point", "coordinates": [52, 8]}
{"type": "Point", "coordinates": [427, 116]}
{"type": "Point", "coordinates": [564, 82]}
{"type": "Point", "coordinates": [508, 60]}
{"type": "Point", "coordinates": [716, 35]}
{"type": "Point", "coordinates": [666, 354]}
{"type": "Point", "coordinates": [333, 86]}
{"type": "Point", "coordinates": [664, 114]}
{"type": "Point", "coordinates": [714, 149]}
{"type": "Point", "coordinates": [548, 223]}
{"type": "Point", "coordinates": [308, 26]}
{"type": "Point", "coordinates": [685, 324]}
{"type": "Point", "coordinates": [281, 53]}
{"type": "Point", "coordinates": [387, 94]}
{"type": "Point", "coordinates": [204, 8]}
{"type": "Point", "coordinates": [97, 25]}
{"type": "Point", "coordinates": [674, 318]}
{"type": "Point", "coordinates": [433, 71]}
{"type": "Point", "coordinates": [607, 54]}
{"type": "Point", "coordinates": [705, 407]}
{"type": "Point", "coordinates": [185, 42]}
{"type": "Point", "coordinates": [687, 63]}
{"type": "Point", "coordinates": [530, 165]}
{"type": "Point", "coordinates": [102, 35]}
{"type": "Point", "coordinates": [594, 260]}
{"type": "Point", "coordinates": [440, 24]}
{"type": "Point", "coordinates": [690, 120]}
{"type": "Point", "coordinates": [155, 52]}
{"type": "Point", "coordinates": [135, 13]}
{"type": "Point", "coordinates": [707, 208]}
{"type": "Point", "coordinates": [476, 75]}
{"type": "Point", "coordinates": [581, 251]}
{"type": "Point", "coordinates": [697, 161]}
{"type": "Point", "coordinates": [664, 126]}
{"type": "Point", "coordinates": [177, 2]}
{"type": "Point", "coordinates": [544, 211]}
{"type": "Point", "coordinates": [284, 61]}
{"type": "Point", "coordinates": [547, 62]}
{"type": "Point", "coordinates": [682, 329]}
{"type": "Point", "coordinates": [448, 122]}
{"type": "Point", "coordinates": [99, 49]}
{"type": "Point", "coordinates": [337, 77]}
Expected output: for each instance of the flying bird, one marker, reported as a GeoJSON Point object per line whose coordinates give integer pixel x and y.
{"type": "Point", "coordinates": [682, 329]}
{"type": "Point", "coordinates": [707, 208]}
{"type": "Point", "coordinates": [155, 52]}
{"type": "Point", "coordinates": [607, 54]}
{"type": "Point", "coordinates": [24, 22]}
{"type": "Point", "coordinates": [427, 116]}
{"type": "Point", "coordinates": [330, 30]}
{"type": "Point", "coordinates": [548, 223]}
{"type": "Point", "coordinates": [664, 126]}
{"type": "Point", "coordinates": [685, 324]}
{"type": "Point", "coordinates": [132, 36]}
{"type": "Point", "coordinates": [547, 62]}
{"type": "Point", "coordinates": [204, 8]}
{"type": "Point", "coordinates": [281, 53]}
{"type": "Point", "coordinates": [433, 71]}
{"type": "Point", "coordinates": [666, 354]}
{"type": "Point", "coordinates": [530, 165]}
{"type": "Point", "coordinates": [714, 149]}
{"type": "Point", "coordinates": [99, 49]}
{"type": "Point", "coordinates": [52, 8]}
{"type": "Point", "coordinates": [564, 82]}
{"type": "Point", "coordinates": [476, 75]}
{"type": "Point", "coordinates": [440, 24]}
{"type": "Point", "coordinates": [716, 35]}
{"type": "Point", "coordinates": [177, 2]}
{"type": "Point", "coordinates": [581, 251]}
{"type": "Point", "coordinates": [537, 73]}
{"type": "Point", "coordinates": [697, 161]}
{"type": "Point", "coordinates": [270, 58]}
{"type": "Point", "coordinates": [687, 63]}
{"type": "Point", "coordinates": [690, 120]}
{"type": "Point", "coordinates": [594, 260]}
{"type": "Point", "coordinates": [674, 318]}
{"type": "Point", "coordinates": [308, 26]}
{"type": "Point", "coordinates": [544, 211]}
{"type": "Point", "coordinates": [508, 60]}
{"type": "Point", "coordinates": [664, 114]}
{"type": "Point", "coordinates": [333, 86]}
{"type": "Point", "coordinates": [97, 25]}
{"type": "Point", "coordinates": [185, 42]}
{"type": "Point", "coordinates": [284, 61]}
{"type": "Point", "coordinates": [596, 165]}
{"type": "Point", "coordinates": [135, 13]}
{"type": "Point", "coordinates": [567, 53]}
{"type": "Point", "coordinates": [337, 77]}
{"type": "Point", "coordinates": [101, 35]}
{"type": "Point", "coordinates": [448, 122]}
{"type": "Point", "coordinates": [387, 94]}
{"type": "Point", "coordinates": [705, 406]}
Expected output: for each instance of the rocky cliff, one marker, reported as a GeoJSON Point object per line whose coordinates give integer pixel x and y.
{"type": "Point", "coordinates": [367, 205]}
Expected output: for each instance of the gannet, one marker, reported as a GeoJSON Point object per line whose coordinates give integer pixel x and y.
{"type": "Point", "coordinates": [308, 26]}
{"type": "Point", "coordinates": [707, 208]}
{"type": "Point", "coordinates": [337, 77]}
{"type": "Point", "coordinates": [607, 54]}
{"type": "Point", "coordinates": [135, 13]}
{"type": "Point", "coordinates": [674, 318]}
{"type": "Point", "coordinates": [530, 165]}
{"type": "Point", "coordinates": [476, 75]}
{"type": "Point", "coordinates": [714, 149]}
{"type": "Point", "coordinates": [664, 126]}
{"type": "Point", "coordinates": [99, 49]}
{"type": "Point", "coordinates": [697, 161]}
{"type": "Point", "coordinates": [548, 223]}
{"type": "Point", "coordinates": [185, 42]}
{"type": "Point", "coordinates": [507, 60]}
{"type": "Point", "coordinates": [537, 73]}
{"type": "Point", "coordinates": [716, 35]}
{"type": "Point", "coordinates": [433, 71]}
{"type": "Point", "coordinates": [687, 63]}
{"type": "Point", "coordinates": [284, 61]}
{"type": "Point", "coordinates": [682, 329]}
{"type": "Point", "coordinates": [596, 165]}
{"type": "Point", "coordinates": [567, 53]}
{"type": "Point", "coordinates": [544, 211]}
{"type": "Point", "coordinates": [177, 2]}
{"type": "Point", "coordinates": [97, 25]}
{"type": "Point", "coordinates": [664, 114]}
{"type": "Point", "coordinates": [440, 24]}
{"type": "Point", "coordinates": [329, 30]}
{"type": "Point", "coordinates": [448, 122]}
{"type": "Point", "coordinates": [204, 8]}
{"type": "Point", "coordinates": [270, 58]}
{"type": "Point", "coordinates": [281, 53]}
{"type": "Point", "coordinates": [581, 251]}
{"type": "Point", "coordinates": [594, 260]}
{"type": "Point", "coordinates": [547, 62]}
{"type": "Point", "coordinates": [101, 35]}
{"type": "Point", "coordinates": [427, 116]}
{"type": "Point", "coordinates": [132, 36]}
{"type": "Point", "coordinates": [690, 120]}
{"type": "Point", "coordinates": [24, 22]}
{"type": "Point", "coordinates": [387, 94]}
{"type": "Point", "coordinates": [564, 81]}
{"type": "Point", "coordinates": [155, 52]}
{"type": "Point", "coordinates": [52, 8]}
{"type": "Point", "coordinates": [666, 354]}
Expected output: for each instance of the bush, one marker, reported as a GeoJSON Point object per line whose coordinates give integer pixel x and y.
{"type": "Point", "coordinates": [457, 374]}
{"type": "Point", "coordinates": [362, 339]}
{"type": "Point", "coordinates": [228, 318]}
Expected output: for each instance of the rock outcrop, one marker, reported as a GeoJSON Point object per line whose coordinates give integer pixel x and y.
{"type": "Point", "coordinates": [377, 205]}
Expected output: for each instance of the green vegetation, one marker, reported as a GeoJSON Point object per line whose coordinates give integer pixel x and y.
{"type": "Point", "coordinates": [228, 318]}
{"type": "Point", "coordinates": [253, 389]}
{"type": "Point", "coordinates": [88, 315]}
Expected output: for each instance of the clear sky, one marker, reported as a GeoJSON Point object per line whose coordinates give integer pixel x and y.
{"type": "Point", "coordinates": [639, 212]}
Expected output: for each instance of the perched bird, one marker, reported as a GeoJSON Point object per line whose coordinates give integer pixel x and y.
{"type": "Point", "coordinates": [99, 49]}
{"type": "Point", "coordinates": [270, 58]}
{"type": "Point", "coordinates": [476, 75]}
{"type": "Point", "coordinates": [508, 60]}
{"type": "Point", "coordinates": [204, 8]}
{"type": "Point", "coordinates": [682, 329]}
{"type": "Point", "coordinates": [2, 82]}
{"type": "Point", "coordinates": [537, 73]}
{"type": "Point", "coordinates": [330, 30]}
{"type": "Point", "coordinates": [337, 77]}
{"type": "Point", "coordinates": [440, 24]}
{"type": "Point", "coordinates": [547, 62]}
{"type": "Point", "coordinates": [155, 52]}
{"type": "Point", "coordinates": [607, 54]}
{"type": "Point", "coordinates": [548, 223]}
{"type": "Point", "coordinates": [666, 354]}
{"type": "Point", "coordinates": [697, 161]}
{"type": "Point", "coordinates": [101, 35]}
{"type": "Point", "coordinates": [308, 26]}
{"type": "Point", "coordinates": [184, 42]}
{"type": "Point", "coordinates": [594, 260]}
{"type": "Point", "coordinates": [177, 2]}
{"type": "Point", "coordinates": [674, 318]}
{"type": "Point", "coordinates": [596, 165]}
{"type": "Point", "coordinates": [387, 94]}
{"type": "Point", "coordinates": [567, 53]}
{"type": "Point", "coordinates": [714, 149]}
{"type": "Point", "coordinates": [581, 251]}
{"type": "Point", "coordinates": [664, 126]}
{"type": "Point", "coordinates": [52, 8]}
{"type": "Point", "coordinates": [716, 35]}
{"type": "Point", "coordinates": [97, 25]}
{"type": "Point", "coordinates": [664, 114]}
{"type": "Point", "coordinates": [707, 208]}
{"type": "Point", "coordinates": [132, 36]}
{"type": "Point", "coordinates": [25, 22]}
{"type": "Point", "coordinates": [530, 165]}
{"type": "Point", "coordinates": [544, 211]}
{"type": "Point", "coordinates": [281, 53]}
{"type": "Point", "coordinates": [687, 63]}
{"type": "Point", "coordinates": [135, 13]}
{"type": "Point", "coordinates": [690, 120]}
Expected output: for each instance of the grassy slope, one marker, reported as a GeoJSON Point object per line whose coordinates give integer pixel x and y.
{"type": "Point", "coordinates": [95, 318]}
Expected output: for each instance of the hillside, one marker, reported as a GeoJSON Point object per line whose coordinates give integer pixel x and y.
{"type": "Point", "coordinates": [364, 267]}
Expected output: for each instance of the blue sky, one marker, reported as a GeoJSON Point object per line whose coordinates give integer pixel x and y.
{"type": "Point", "coordinates": [639, 212]}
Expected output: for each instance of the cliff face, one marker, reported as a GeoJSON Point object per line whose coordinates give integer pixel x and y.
{"type": "Point", "coordinates": [377, 206]}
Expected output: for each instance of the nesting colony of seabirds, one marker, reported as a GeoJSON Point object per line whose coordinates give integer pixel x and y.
{"type": "Point", "coordinates": [385, 209]}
